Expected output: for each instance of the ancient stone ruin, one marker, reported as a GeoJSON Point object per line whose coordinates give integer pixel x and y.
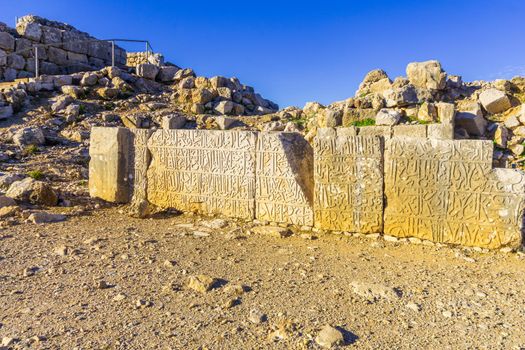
{"type": "Point", "coordinates": [402, 181]}
{"type": "Point", "coordinates": [69, 50]}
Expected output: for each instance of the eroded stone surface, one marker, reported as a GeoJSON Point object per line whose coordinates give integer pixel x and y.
{"type": "Point", "coordinates": [204, 171]}
{"type": "Point", "coordinates": [108, 168]}
{"type": "Point", "coordinates": [348, 175]}
{"type": "Point", "coordinates": [446, 191]}
{"type": "Point", "coordinates": [284, 178]}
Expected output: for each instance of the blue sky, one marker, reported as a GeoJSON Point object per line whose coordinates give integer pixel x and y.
{"type": "Point", "coordinates": [298, 51]}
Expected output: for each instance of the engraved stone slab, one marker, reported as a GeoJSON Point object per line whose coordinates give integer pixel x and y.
{"type": "Point", "coordinates": [204, 171]}
{"type": "Point", "coordinates": [446, 191]}
{"type": "Point", "coordinates": [284, 190]}
{"type": "Point", "coordinates": [348, 173]}
{"type": "Point", "coordinates": [139, 160]}
{"type": "Point", "coordinates": [108, 167]}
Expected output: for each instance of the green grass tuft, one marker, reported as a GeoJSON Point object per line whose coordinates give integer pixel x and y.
{"type": "Point", "coordinates": [364, 122]}
{"type": "Point", "coordinates": [35, 174]}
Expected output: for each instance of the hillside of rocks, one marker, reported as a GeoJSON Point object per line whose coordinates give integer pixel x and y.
{"type": "Point", "coordinates": [46, 121]}
{"type": "Point", "coordinates": [476, 110]}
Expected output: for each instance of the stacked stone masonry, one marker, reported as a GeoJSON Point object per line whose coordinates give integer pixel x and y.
{"type": "Point", "coordinates": [70, 51]}
{"type": "Point", "coordinates": [133, 59]}
{"type": "Point", "coordinates": [363, 180]}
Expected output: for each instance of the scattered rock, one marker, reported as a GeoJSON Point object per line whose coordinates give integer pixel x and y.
{"type": "Point", "coordinates": [257, 317]}
{"type": "Point", "coordinates": [44, 217]}
{"type": "Point", "coordinates": [62, 250]}
{"type": "Point", "coordinates": [32, 191]}
{"type": "Point", "coordinates": [330, 337]}
{"type": "Point", "coordinates": [414, 307]}
{"type": "Point", "coordinates": [374, 292]}
{"type": "Point", "coordinates": [6, 201]}
{"type": "Point", "coordinates": [215, 224]}
{"type": "Point", "coordinates": [142, 304]}
{"type": "Point", "coordinates": [274, 231]}
{"type": "Point", "coordinates": [201, 283]}
{"type": "Point", "coordinates": [32, 135]}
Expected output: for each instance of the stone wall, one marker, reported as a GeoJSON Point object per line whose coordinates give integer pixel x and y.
{"type": "Point", "coordinates": [133, 59]}
{"type": "Point", "coordinates": [447, 191]}
{"type": "Point", "coordinates": [364, 180]}
{"type": "Point", "coordinates": [67, 55]}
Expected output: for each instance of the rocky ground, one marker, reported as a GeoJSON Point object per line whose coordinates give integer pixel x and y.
{"type": "Point", "coordinates": [102, 280]}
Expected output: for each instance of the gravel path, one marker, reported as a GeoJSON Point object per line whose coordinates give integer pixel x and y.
{"type": "Point", "coordinates": [107, 281]}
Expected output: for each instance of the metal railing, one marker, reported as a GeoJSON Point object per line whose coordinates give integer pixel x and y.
{"type": "Point", "coordinates": [36, 47]}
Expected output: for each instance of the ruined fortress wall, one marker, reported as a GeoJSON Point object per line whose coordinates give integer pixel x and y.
{"type": "Point", "coordinates": [368, 182]}
{"type": "Point", "coordinates": [67, 55]}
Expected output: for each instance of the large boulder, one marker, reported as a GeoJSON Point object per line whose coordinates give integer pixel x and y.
{"type": "Point", "coordinates": [61, 103]}
{"type": "Point", "coordinates": [375, 81]}
{"type": "Point", "coordinates": [32, 135]}
{"type": "Point", "coordinates": [147, 71]}
{"type": "Point", "coordinates": [470, 117]}
{"type": "Point", "coordinates": [167, 73]}
{"type": "Point", "coordinates": [402, 96]}
{"type": "Point", "coordinates": [388, 117]}
{"type": "Point", "coordinates": [30, 30]}
{"type": "Point", "coordinates": [7, 41]}
{"type": "Point", "coordinates": [426, 75]}
{"type": "Point", "coordinates": [32, 191]}
{"type": "Point", "coordinates": [494, 101]}
{"type": "Point", "coordinates": [224, 107]}
{"type": "Point", "coordinates": [6, 112]}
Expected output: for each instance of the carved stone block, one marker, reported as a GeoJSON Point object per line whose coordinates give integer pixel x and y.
{"type": "Point", "coordinates": [204, 171]}
{"type": "Point", "coordinates": [348, 173]}
{"type": "Point", "coordinates": [284, 190]}
{"type": "Point", "coordinates": [446, 191]}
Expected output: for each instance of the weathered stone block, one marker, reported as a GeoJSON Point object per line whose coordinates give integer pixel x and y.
{"type": "Point", "coordinates": [148, 71]}
{"type": "Point", "coordinates": [30, 30]}
{"type": "Point", "coordinates": [7, 41]}
{"type": "Point", "coordinates": [100, 50]}
{"type": "Point", "coordinates": [51, 35]}
{"type": "Point", "coordinates": [348, 175]}
{"type": "Point", "coordinates": [470, 117]}
{"type": "Point", "coordinates": [446, 191]}
{"type": "Point", "coordinates": [73, 57]}
{"type": "Point", "coordinates": [204, 171]}
{"type": "Point", "coordinates": [57, 56]}
{"type": "Point", "coordinates": [73, 42]}
{"type": "Point", "coordinates": [16, 62]}
{"type": "Point", "coordinates": [109, 167]}
{"type": "Point", "coordinates": [384, 131]}
{"type": "Point", "coordinates": [444, 131]}
{"type": "Point", "coordinates": [167, 73]}
{"type": "Point", "coordinates": [173, 122]}
{"type": "Point", "coordinates": [410, 130]}
{"type": "Point", "coordinates": [284, 185]}
{"type": "Point", "coordinates": [494, 101]}
{"type": "Point", "coordinates": [426, 75]}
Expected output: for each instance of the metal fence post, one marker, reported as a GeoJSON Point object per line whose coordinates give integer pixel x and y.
{"type": "Point", "coordinates": [113, 53]}
{"type": "Point", "coordinates": [36, 61]}
{"type": "Point", "coordinates": [147, 52]}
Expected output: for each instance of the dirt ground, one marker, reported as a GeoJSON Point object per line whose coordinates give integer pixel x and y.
{"type": "Point", "coordinates": [108, 281]}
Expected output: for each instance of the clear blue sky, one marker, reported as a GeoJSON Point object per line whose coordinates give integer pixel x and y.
{"type": "Point", "coordinates": [298, 51]}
